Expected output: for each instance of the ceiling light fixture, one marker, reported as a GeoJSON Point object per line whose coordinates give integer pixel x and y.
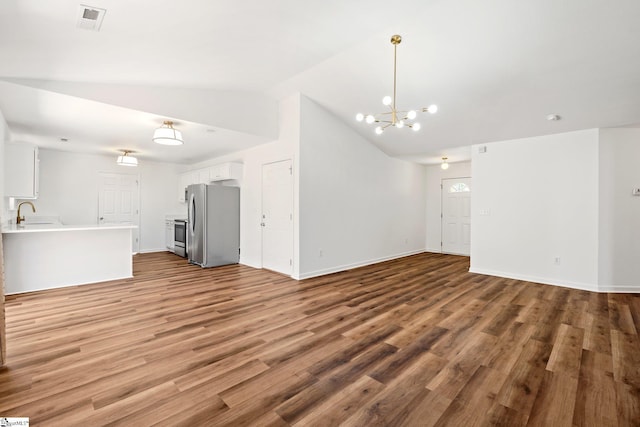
{"type": "Point", "coordinates": [126, 159]}
{"type": "Point", "coordinates": [167, 135]}
{"type": "Point", "coordinates": [394, 117]}
{"type": "Point", "coordinates": [445, 164]}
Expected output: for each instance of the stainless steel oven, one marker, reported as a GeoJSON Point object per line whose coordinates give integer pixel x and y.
{"type": "Point", "coordinates": [180, 237]}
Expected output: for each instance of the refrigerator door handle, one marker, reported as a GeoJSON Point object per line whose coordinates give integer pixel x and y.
{"type": "Point", "coordinates": [192, 214]}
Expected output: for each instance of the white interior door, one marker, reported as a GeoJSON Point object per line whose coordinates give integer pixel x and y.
{"type": "Point", "coordinates": [456, 216]}
{"type": "Point", "coordinates": [118, 202]}
{"type": "Point", "coordinates": [277, 216]}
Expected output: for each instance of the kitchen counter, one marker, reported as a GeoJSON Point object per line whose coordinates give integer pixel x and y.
{"type": "Point", "coordinates": [39, 228]}
{"type": "Point", "coordinates": [46, 256]}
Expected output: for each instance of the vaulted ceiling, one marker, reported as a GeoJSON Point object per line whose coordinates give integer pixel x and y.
{"type": "Point", "coordinates": [495, 68]}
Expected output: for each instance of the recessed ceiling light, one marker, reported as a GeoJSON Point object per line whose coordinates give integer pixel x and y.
{"type": "Point", "coordinates": [64, 139]}
{"type": "Point", "coordinates": [553, 117]}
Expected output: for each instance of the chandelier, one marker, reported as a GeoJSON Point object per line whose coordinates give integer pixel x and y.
{"type": "Point", "coordinates": [395, 117]}
{"type": "Point", "coordinates": [167, 135]}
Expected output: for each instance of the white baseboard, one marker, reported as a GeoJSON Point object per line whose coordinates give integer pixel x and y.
{"type": "Point", "coordinates": [344, 267]}
{"type": "Point", "coordinates": [149, 251]}
{"type": "Point", "coordinates": [624, 289]}
{"type": "Point", "coordinates": [537, 279]}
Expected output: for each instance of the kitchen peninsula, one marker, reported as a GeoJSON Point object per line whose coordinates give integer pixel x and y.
{"type": "Point", "coordinates": [45, 256]}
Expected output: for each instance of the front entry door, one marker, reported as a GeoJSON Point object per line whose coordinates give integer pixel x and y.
{"type": "Point", "coordinates": [456, 216]}
{"type": "Point", "coordinates": [277, 216]}
{"type": "Point", "coordinates": [118, 202]}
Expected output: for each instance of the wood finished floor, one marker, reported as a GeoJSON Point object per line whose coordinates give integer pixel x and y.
{"type": "Point", "coordinates": [417, 341]}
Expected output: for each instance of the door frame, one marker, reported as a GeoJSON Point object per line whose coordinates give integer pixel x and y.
{"type": "Point", "coordinates": [293, 212]}
{"type": "Point", "coordinates": [135, 233]}
{"type": "Point", "coordinates": [442, 211]}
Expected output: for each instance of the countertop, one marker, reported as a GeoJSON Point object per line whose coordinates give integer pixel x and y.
{"type": "Point", "coordinates": [41, 228]}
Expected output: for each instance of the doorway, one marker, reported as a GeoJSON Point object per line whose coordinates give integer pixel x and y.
{"type": "Point", "coordinates": [277, 216]}
{"type": "Point", "coordinates": [456, 216]}
{"type": "Point", "coordinates": [119, 201]}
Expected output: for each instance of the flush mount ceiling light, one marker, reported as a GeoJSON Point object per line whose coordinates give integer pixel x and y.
{"type": "Point", "coordinates": [445, 164]}
{"type": "Point", "coordinates": [395, 117]}
{"type": "Point", "coordinates": [167, 135]}
{"type": "Point", "coordinates": [126, 159]}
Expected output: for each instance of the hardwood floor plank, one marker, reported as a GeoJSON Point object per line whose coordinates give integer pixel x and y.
{"type": "Point", "coordinates": [567, 351]}
{"type": "Point", "coordinates": [473, 404]}
{"type": "Point", "coordinates": [412, 341]}
{"type": "Point", "coordinates": [300, 405]}
{"type": "Point", "coordinates": [391, 405]}
{"type": "Point", "coordinates": [520, 389]}
{"type": "Point", "coordinates": [341, 405]}
{"type": "Point", "coordinates": [555, 402]}
{"type": "Point", "coordinates": [626, 358]}
{"type": "Point", "coordinates": [628, 404]}
{"type": "Point", "coordinates": [596, 398]}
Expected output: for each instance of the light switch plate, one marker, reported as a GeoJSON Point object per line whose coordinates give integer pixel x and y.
{"type": "Point", "coordinates": [636, 192]}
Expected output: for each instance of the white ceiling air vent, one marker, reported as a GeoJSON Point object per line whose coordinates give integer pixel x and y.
{"type": "Point", "coordinates": [90, 18]}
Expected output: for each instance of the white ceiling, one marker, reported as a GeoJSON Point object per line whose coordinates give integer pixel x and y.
{"type": "Point", "coordinates": [496, 69]}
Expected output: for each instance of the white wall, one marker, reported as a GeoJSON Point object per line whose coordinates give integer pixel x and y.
{"type": "Point", "coordinates": [533, 200]}
{"type": "Point", "coordinates": [69, 188]}
{"type": "Point", "coordinates": [619, 264]}
{"type": "Point", "coordinates": [434, 177]}
{"type": "Point", "coordinates": [286, 147]}
{"type": "Point", "coordinates": [350, 200]}
{"type": "Point", "coordinates": [5, 136]}
{"type": "Point", "coordinates": [357, 205]}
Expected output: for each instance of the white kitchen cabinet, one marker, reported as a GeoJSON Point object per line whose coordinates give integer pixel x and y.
{"type": "Point", "coordinates": [198, 176]}
{"type": "Point", "coordinates": [169, 234]}
{"type": "Point", "coordinates": [202, 176]}
{"type": "Point", "coordinates": [223, 171]}
{"type": "Point", "coordinates": [21, 171]}
{"type": "Point", "coordinates": [219, 172]}
{"type": "Point", "coordinates": [186, 179]}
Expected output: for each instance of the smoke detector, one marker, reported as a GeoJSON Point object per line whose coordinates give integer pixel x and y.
{"type": "Point", "coordinates": [90, 18]}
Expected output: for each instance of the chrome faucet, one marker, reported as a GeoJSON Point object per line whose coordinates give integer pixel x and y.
{"type": "Point", "coordinates": [20, 219]}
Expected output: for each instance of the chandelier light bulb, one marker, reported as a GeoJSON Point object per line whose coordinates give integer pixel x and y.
{"type": "Point", "coordinates": [416, 127]}
{"type": "Point", "coordinates": [370, 119]}
{"type": "Point", "coordinates": [432, 108]}
{"type": "Point", "coordinates": [379, 130]}
{"type": "Point", "coordinates": [359, 117]}
{"type": "Point", "coordinates": [400, 124]}
{"type": "Point", "coordinates": [411, 114]}
{"type": "Point", "coordinates": [386, 100]}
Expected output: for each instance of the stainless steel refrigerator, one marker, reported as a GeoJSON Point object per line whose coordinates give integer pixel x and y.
{"type": "Point", "coordinates": [213, 227]}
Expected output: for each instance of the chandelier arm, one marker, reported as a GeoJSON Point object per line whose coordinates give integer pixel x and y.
{"type": "Point", "coordinates": [395, 50]}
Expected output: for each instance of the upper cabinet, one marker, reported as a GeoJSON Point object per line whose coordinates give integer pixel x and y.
{"type": "Point", "coordinates": [21, 171]}
{"type": "Point", "coordinates": [223, 171]}
{"type": "Point", "coordinates": [219, 172]}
